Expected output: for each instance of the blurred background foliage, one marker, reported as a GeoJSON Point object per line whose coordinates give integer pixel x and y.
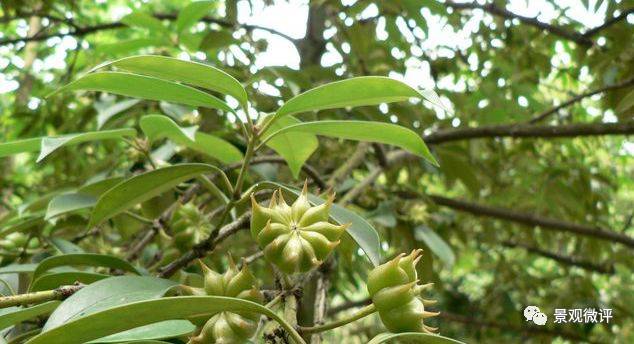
{"type": "Point", "coordinates": [480, 216]}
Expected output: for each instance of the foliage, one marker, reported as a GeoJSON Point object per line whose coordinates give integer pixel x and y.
{"type": "Point", "coordinates": [138, 137]}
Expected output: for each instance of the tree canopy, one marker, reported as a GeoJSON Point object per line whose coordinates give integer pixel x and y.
{"type": "Point", "coordinates": [491, 134]}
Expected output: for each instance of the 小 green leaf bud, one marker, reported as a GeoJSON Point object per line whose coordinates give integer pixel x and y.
{"type": "Point", "coordinates": [395, 293]}
{"type": "Point", "coordinates": [298, 237]}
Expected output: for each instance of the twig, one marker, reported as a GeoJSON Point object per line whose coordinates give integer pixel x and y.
{"type": "Point", "coordinates": [60, 293]}
{"type": "Point", "coordinates": [608, 23]}
{"type": "Point", "coordinates": [493, 9]}
{"type": "Point", "coordinates": [209, 244]}
{"type": "Point", "coordinates": [573, 261]}
{"type": "Point", "coordinates": [87, 30]}
{"type": "Point", "coordinates": [580, 97]}
{"type": "Point", "coordinates": [274, 159]}
{"type": "Point", "coordinates": [351, 163]}
{"type": "Point", "coordinates": [533, 220]}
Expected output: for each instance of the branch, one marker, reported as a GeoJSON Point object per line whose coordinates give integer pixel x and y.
{"type": "Point", "coordinates": [491, 8]}
{"type": "Point", "coordinates": [274, 159]}
{"type": "Point", "coordinates": [608, 23]}
{"type": "Point", "coordinates": [205, 246]}
{"type": "Point", "coordinates": [580, 97]}
{"type": "Point", "coordinates": [60, 293]}
{"type": "Point", "coordinates": [526, 130]}
{"type": "Point", "coordinates": [87, 30]}
{"type": "Point", "coordinates": [573, 261]}
{"type": "Point", "coordinates": [534, 220]}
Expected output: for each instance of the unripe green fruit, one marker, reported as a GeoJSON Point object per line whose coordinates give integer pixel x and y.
{"type": "Point", "coordinates": [15, 240]}
{"type": "Point", "coordinates": [229, 327]}
{"type": "Point", "coordinates": [189, 226]}
{"type": "Point", "coordinates": [295, 238]}
{"type": "Point", "coordinates": [395, 293]}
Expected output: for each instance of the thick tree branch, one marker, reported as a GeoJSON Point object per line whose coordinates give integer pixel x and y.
{"type": "Point", "coordinates": [493, 9]}
{"type": "Point", "coordinates": [526, 130]}
{"type": "Point", "coordinates": [533, 220]}
{"type": "Point", "coordinates": [566, 260]}
{"type": "Point", "coordinates": [87, 30]}
{"type": "Point", "coordinates": [578, 98]}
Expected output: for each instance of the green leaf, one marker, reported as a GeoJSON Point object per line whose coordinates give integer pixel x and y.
{"type": "Point", "coordinates": [18, 268]}
{"type": "Point", "coordinates": [51, 144]}
{"type": "Point", "coordinates": [14, 315]}
{"type": "Point", "coordinates": [294, 147]}
{"type": "Point", "coordinates": [366, 90]}
{"type": "Point", "coordinates": [107, 293]}
{"type": "Point", "coordinates": [131, 315]}
{"type": "Point", "coordinates": [142, 187]}
{"type": "Point", "coordinates": [66, 203]}
{"type": "Point", "coordinates": [105, 113]}
{"type": "Point", "coordinates": [360, 230]}
{"type": "Point", "coordinates": [161, 330]}
{"type": "Point", "coordinates": [192, 13]}
{"type": "Point", "coordinates": [47, 145]}
{"type": "Point", "coordinates": [85, 197]}
{"type": "Point", "coordinates": [413, 337]}
{"type": "Point", "coordinates": [159, 126]}
{"type": "Point", "coordinates": [192, 73]}
{"type": "Point", "coordinates": [366, 131]}
{"type": "Point", "coordinates": [19, 146]}
{"type": "Point", "coordinates": [146, 87]}
{"type": "Point", "coordinates": [129, 46]}
{"type": "Point", "coordinates": [54, 280]}
{"type": "Point", "coordinates": [84, 259]}
{"type": "Point", "coordinates": [145, 21]}
{"type": "Point", "coordinates": [626, 103]}
{"type": "Point", "coordinates": [64, 246]}
{"type": "Point", "coordinates": [436, 244]}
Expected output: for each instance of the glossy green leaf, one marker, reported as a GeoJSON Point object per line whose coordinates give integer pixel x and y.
{"type": "Point", "coordinates": [83, 259]}
{"type": "Point", "coordinates": [129, 46]}
{"type": "Point", "coordinates": [105, 113]}
{"type": "Point", "coordinates": [64, 246]}
{"type": "Point", "coordinates": [192, 13]}
{"type": "Point", "coordinates": [366, 90]}
{"type": "Point", "coordinates": [192, 73]}
{"type": "Point", "coordinates": [131, 315]}
{"type": "Point", "coordinates": [146, 87]}
{"type": "Point", "coordinates": [66, 203]}
{"type": "Point", "coordinates": [85, 197]}
{"type": "Point", "coordinates": [47, 145]}
{"type": "Point", "coordinates": [18, 268]}
{"type": "Point", "coordinates": [19, 146]}
{"type": "Point", "coordinates": [161, 330]}
{"type": "Point", "coordinates": [294, 147]}
{"type": "Point", "coordinates": [360, 230]}
{"type": "Point", "coordinates": [159, 126]}
{"type": "Point", "coordinates": [413, 337]}
{"type": "Point", "coordinates": [105, 294]}
{"type": "Point", "coordinates": [54, 280]}
{"type": "Point", "coordinates": [51, 144]}
{"type": "Point", "coordinates": [365, 131]}
{"type": "Point", "coordinates": [436, 244]}
{"type": "Point", "coordinates": [142, 187]}
{"type": "Point", "coordinates": [14, 315]}
{"type": "Point", "coordinates": [145, 21]}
